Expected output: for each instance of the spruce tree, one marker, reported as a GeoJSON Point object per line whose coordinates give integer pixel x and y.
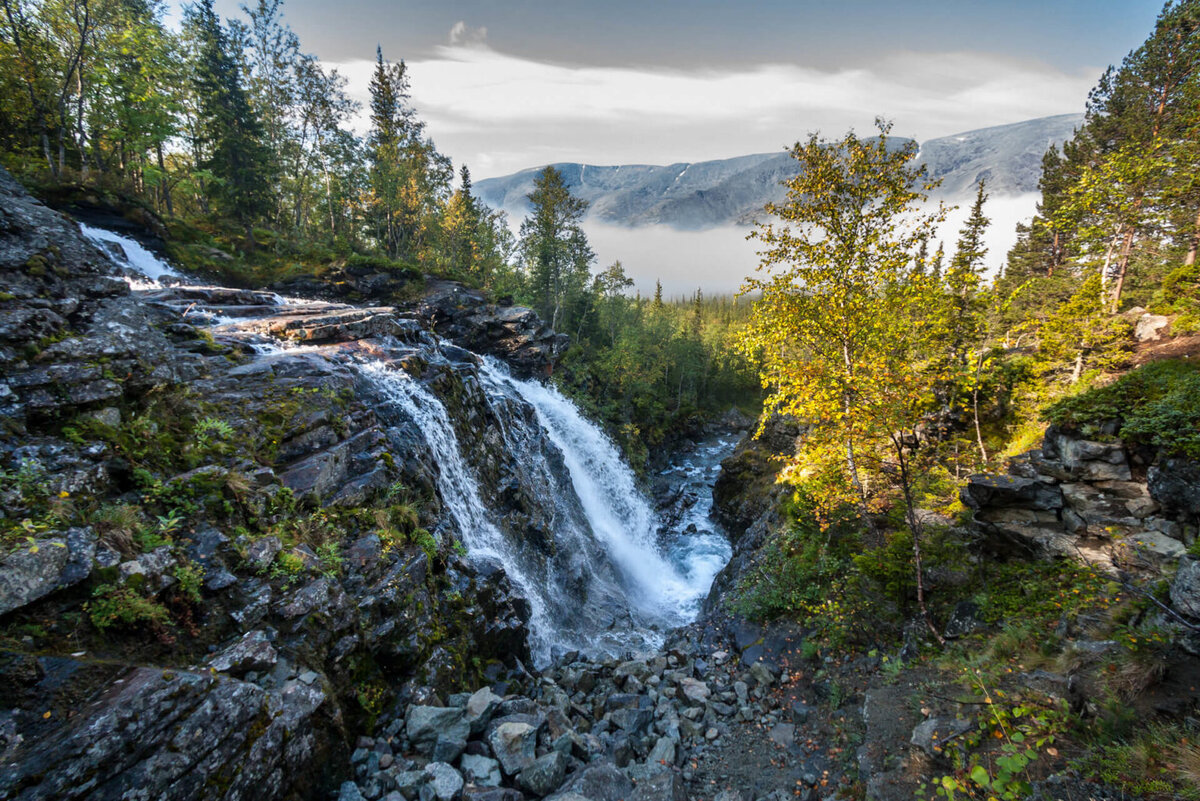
{"type": "Point", "coordinates": [557, 253]}
{"type": "Point", "coordinates": [232, 136]}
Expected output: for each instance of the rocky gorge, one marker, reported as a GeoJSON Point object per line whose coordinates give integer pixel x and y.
{"type": "Point", "coordinates": [321, 541]}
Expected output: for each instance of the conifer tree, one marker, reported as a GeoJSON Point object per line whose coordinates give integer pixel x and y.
{"type": "Point", "coordinates": [556, 251]}
{"type": "Point", "coordinates": [232, 136]}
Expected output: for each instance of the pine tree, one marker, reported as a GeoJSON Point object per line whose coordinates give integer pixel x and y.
{"type": "Point", "coordinates": [557, 253]}
{"type": "Point", "coordinates": [963, 315]}
{"type": "Point", "coordinates": [232, 136]}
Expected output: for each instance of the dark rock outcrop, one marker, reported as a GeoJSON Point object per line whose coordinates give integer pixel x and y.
{"type": "Point", "coordinates": [513, 333]}
{"type": "Point", "coordinates": [1076, 497]}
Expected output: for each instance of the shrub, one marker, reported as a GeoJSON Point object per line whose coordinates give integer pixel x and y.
{"type": "Point", "coordinates": [121, 606]}
{"type": "Point", "coordinates": [1156, 405]}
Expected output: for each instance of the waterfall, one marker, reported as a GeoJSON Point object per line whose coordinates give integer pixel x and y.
{"type": "Point", "coordinates": [618, 513]}
{"type": "Point", "coordinates": [458, 489]}
{"type": "Point", "coordinates": [525, 480]}
{"type": "Point", "coordinates": [132, 257]}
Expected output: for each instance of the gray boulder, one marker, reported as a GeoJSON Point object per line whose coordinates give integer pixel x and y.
{"type": "Point", "coordinates": [600, 781]}
{"type": "Point", "coordinates": [514, 743]}
{"type": "Point", "coordinates": [544, 775]}
{"type": "Point", "coordinates": [426, 724]}
{"type": "Point", "coordinates": [36, 569]}
{"type": "Point", "coordinates": [666, 786]}
{"type": "Point", "coordinates": [253, 652]}
{"type": "Point", "coordinates": [481, 770]}
{"type": "Point", "coordinates": [481, 706]}
{"type": "Point", "coordinates": [445, 781]}
{"type": "Point", "coordinates": [1185, 589]}
{"type": "Point", "coordinates": [1175, 485]}
{"type": "Point", "coordinates": [932, 734]}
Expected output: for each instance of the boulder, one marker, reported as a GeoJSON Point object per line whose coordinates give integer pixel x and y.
{"type": "Point", "coordinates": [480, 770]}
{"type": "Point", "coordinates": [544, 775]}
{"type": "Point", "coordinates": [1185, 588]}
{"type": "Point", "coordinates": [932, 734]}
{"type": "Point", "coordinates": [444, 780]}
{"type": "Point", "coordinates": [46, 564]}
{"type": "Point", "coordinates": [964, 620]}
{"type": "Point", "coordinates": [599, 781]}
{"type": "Point", "coordinates": [986, 491]}
{"type": "Point", "coordinates": [1175, 484]}
{"type": "Point", "coordinates": [425, 725]}
{"type": "Point", "coordinates": [253, 652]}
{"type": "Point", "coordinates": [666, 786]}
{"type": "Point", "coordinates": [514, 744]}
{"type": "Point", "coordinates": [695, 691]}
{"type": "Point", "coordinates": [480, 708]}
{"type": "Point", "coordinates": [1151, 327]}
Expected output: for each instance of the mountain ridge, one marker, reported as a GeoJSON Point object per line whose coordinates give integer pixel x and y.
{"type": "Point", "coordinates": [708, 194]}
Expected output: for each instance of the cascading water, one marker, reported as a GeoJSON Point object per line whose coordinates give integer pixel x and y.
{"type": "Point", "coordinates": [562, 513]}
{"type": "Point", "coordinates": [618, 514]}
{"type": "Point", "coordinates": [456, 485]}
{"type": "Point", "coordinates": [133, 256]}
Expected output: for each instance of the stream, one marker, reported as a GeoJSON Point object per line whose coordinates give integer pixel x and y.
{"type": "Point", "coordinates": [606, 569]}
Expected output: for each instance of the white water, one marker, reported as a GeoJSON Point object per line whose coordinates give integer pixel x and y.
{"type": "Point", "coordinates": [458, 488]}
{"type": "Point", "coordinates": [695, 543]}
{"type": "Point", "coordinates": [135, 257]}
{"type": "Point", "coordinates": [605, 584]}
{"type": "Point", "coordinates": [619, 515]}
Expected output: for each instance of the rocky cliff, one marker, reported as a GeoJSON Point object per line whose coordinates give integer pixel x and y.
{"type": "Point", "coordinates": [217, 564]}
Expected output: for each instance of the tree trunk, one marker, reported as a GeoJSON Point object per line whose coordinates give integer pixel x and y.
{"type": "Point", "coordinates": [1122, 266]}
{"type": "Point", "coordinates": [983, 455]}
{"type": "Point", "coordinates": [163, 182]}
{"type": "Point", "coordinates": [914, 526]}
{"type": "Point", "coordinates": [1190, 259]}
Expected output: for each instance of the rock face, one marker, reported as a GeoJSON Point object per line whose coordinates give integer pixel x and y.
{"type": "Point", "coordinates": [1077, 497]}
{"type": "Point", "coordinates": [260, 600]}
{"type": "Point", "coordinates": [746, 497]}
{"type": "Point", "coordinates": [173, 735]}
{"type": "Point", "coordinates": [514, 333]}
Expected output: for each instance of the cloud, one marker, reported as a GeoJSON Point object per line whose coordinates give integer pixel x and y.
{"type": "Point", "coordinates": [500, 112]}
{"type": "Point", "coordinates": [463, 36]}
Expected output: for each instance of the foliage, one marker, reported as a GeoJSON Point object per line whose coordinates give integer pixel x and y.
{"type": "Point", "coordinates": [651, 371]}
{"type": "Point", "coordinates": [833, 332]}
{"type": "Point", "coordinates": [1159, 761]}
{"type": "Point", "coordinates": [1024, 731]}
{"type": "Point", "coordinates": [124, 607]}
{"type": "Point", "coordinates": [1156, 405]}
{"type": "Point", "coordinates": [556, 252]}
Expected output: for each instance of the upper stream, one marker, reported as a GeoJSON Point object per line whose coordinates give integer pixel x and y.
{"type": "Point", "coordinates": [525, 480]}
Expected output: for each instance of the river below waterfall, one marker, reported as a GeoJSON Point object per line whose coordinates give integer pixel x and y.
{"type": "Point", "coordinates": [524, 479]}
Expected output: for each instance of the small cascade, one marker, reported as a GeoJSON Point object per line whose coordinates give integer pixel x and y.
{"type": "Point", "coordinates": [456, 485]}
{"type": "Point", "coordinates": [131, 255]}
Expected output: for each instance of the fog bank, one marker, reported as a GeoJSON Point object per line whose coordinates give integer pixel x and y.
{"type": "Point", "coordinates": [718, 260]}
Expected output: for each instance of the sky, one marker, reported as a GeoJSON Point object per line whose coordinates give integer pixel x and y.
{"type": "Point", "coordinates": [509, 84]}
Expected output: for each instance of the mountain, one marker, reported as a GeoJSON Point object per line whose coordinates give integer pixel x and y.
{"type": "Point", "coordinates": [707, 194]}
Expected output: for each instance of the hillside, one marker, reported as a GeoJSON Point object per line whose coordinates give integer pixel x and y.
{"type": "Point", "coordinates": [707, 194]}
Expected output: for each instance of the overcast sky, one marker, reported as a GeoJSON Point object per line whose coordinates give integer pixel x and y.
{"type": "Point", "coordinates": [509, 84]}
